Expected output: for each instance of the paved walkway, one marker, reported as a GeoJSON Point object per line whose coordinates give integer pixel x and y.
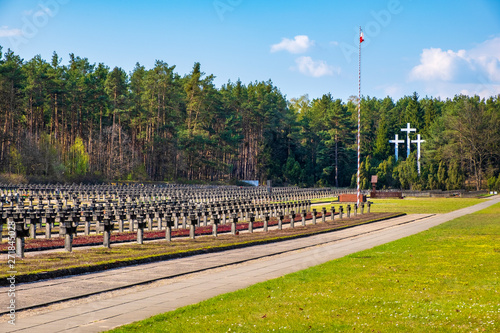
{"type": "Point", "coordinates": [217, 273]}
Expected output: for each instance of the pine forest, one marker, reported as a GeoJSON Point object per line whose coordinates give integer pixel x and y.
{"type": "Point", "coordinates": [84, 122]}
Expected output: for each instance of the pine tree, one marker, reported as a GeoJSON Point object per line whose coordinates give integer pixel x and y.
{"type": "Point", "coordinates": [382, 147]}
{"type": "Point", "coordinates": [441, 175]}
{"type": "Point", "coordinates": [414, 113]}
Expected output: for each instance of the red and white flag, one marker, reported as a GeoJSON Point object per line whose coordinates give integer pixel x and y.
{"type": "Point", "coordinates": [361, 37]}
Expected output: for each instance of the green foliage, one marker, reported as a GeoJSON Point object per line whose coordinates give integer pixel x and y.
{"type": "Point", "coordinates": [407, 174]}
{"type": "Point", "coordinates": [78, 160]}
{"type": "Point", "coordinates": [441, 175]}
{"type": "Point", "coordinates": [16, 162]}
{"type": "Point", "coordinates": [291, 170]}
{"type": "Point", "coordinates": [184, 127]}
{"type": "Point", "coordinates": [382, 141]}
{"type": "Point", "coordinates": [492, 183]}
{"type": "Point", "coordinates": [414, 114]}
{"type": "Point", "coordinates": [385, 173]}
{"type": "Point", "coordinates": [138, 174]}
{"type": "Point", "coordinates": [366, 171]}
{"type": "Point", "coordinates": [432, 183]}
{"type": "Point", "coordinates": [455, 177]}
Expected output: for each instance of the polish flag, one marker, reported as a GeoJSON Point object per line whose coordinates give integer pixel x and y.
{"type": "Point", "coordinates": [361, 37]}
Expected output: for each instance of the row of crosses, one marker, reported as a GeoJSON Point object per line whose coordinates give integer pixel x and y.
{"type": "Point", "coordinates": [419, 141]}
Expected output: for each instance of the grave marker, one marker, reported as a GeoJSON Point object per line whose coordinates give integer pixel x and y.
{"type": "Point", "coordinates": [408, 130]}
{"type": "Point", "coordinates": [396, 145]}
{"type": "Point", "coordinates": [418, 142]}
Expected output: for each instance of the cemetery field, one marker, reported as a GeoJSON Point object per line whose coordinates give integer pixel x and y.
{"type": "Point", "coordinates": [445, 279]}
{"type": "Point", "coordinates": [53, 264]}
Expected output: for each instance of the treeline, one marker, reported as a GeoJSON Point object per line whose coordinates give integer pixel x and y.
{"type": "Point", "coordinates": [84, 121]}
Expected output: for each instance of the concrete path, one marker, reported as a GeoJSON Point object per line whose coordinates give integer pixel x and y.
{"type": "Point", "coordinates": [178, 286]}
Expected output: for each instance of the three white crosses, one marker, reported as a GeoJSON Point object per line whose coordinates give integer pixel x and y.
{"type": "Point", "coordinates": [419, 141]}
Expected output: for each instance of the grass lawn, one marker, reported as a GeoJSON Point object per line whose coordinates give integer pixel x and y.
{"type": "Point", "coordinates": [410, 205]}
{"type": "Point", "coordinates": [445, 279]}
{"type": "Point", "coordinates": [324, 199]}
{"type": "Point", "coordinates": [422, 205]}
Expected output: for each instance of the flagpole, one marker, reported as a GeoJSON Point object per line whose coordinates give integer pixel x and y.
{"type": "Point", "coordinates": [359, 116]}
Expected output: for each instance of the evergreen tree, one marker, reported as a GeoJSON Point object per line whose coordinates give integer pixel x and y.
{"type": "Point", "coordinates": [442, 178]}
{"type": "Point", "coordinates": [385, 173]}
{"type": "Point", "coordinates": [407, 174]}
{"type": "Point", "coordinates": [382, 148]}
{"type": "Point", "coordinates": [430, 114]}
{"type": "Point", "coordinates": [455, 179]}
{"type": "Point", "coordinates": [116, 87]}
{"type": "Point", "coordinates": [414, 113]}
{"type": "Point", "coordinates": [11, 96]}
{"type": "Point", "coordinates": [156, 124]}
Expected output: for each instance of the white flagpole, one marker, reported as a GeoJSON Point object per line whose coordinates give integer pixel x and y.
{"type": "Point", "coordinates": [359, 117]}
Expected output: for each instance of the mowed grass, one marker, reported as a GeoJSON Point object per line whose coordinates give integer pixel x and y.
{"type": "Point", "coordinates": [445, 279]}
{"type": "Point", "coordinates": [411, 205]}
{"type": "Point", "coordinates": [408, 205]}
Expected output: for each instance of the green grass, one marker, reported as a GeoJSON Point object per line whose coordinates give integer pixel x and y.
{"type": "Point", "coordinates": [422, 205]}
{"type": "Point", "coordinates": [412, 205]}
{"type": "Point", "coordinates": [324, 199]}
{"type": "Point", "coordinates": [445, 279]}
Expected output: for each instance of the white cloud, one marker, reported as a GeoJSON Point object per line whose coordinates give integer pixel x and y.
{"type": "Point", "coordinates": [299, 44]}
{"type": "Point", "coordinates": [473, 71]}
{"type": "Point", "coordinates": [436, 64]}
{"type": "Point", "coordinates": [481, 64]}
{"type": "Point", "coordinates": [6, 32]}
{"type": "Point", "coordinates": [310, 67]}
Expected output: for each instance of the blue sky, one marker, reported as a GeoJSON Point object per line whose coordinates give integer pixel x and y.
{"type": "Point", "coordinates": [436, 48]}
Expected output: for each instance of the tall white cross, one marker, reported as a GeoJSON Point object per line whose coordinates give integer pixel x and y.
{"type": "Point", "coordinates": [396, 144]}
{"type": "Point", "coordinates": [408, 130]}
{"type": "Point", "coordinates": [418, 142]}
